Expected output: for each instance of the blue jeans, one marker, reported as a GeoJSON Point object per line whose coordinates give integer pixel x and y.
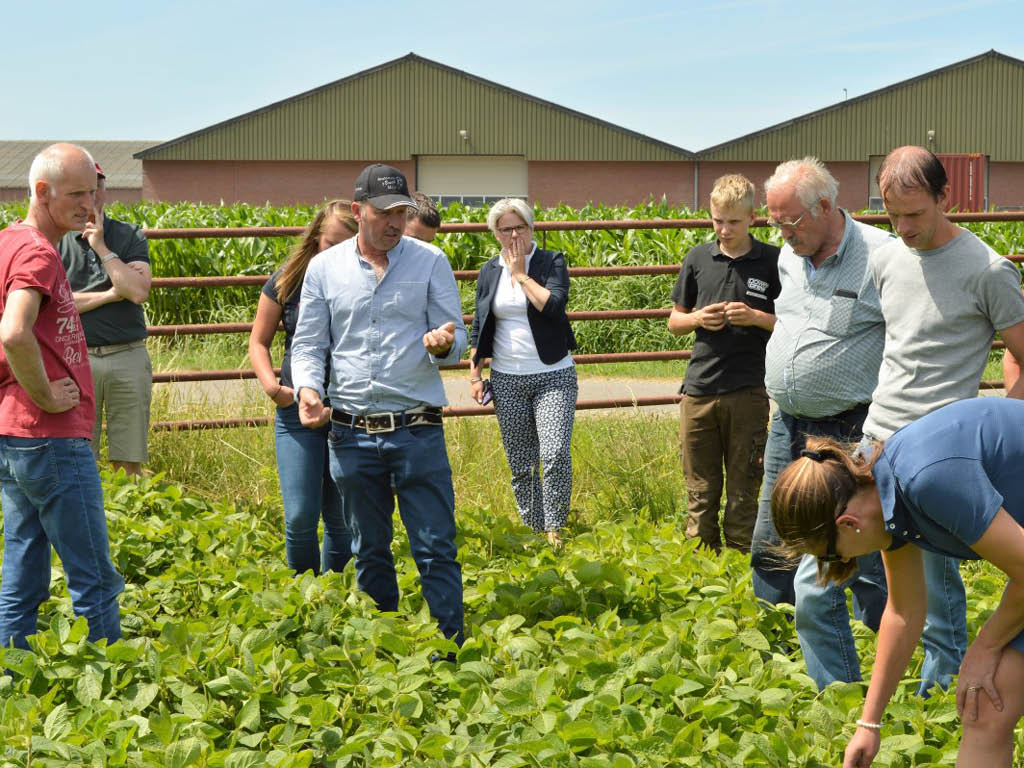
{"type": "Point", "coordinates": [823, 624]}
{"type": "Point", "coordinates": [415, 459]}
{"type": "Point", "coordinates": [787, 436]}
{"type": "Point", "coordinates": [308, 493]}
{"type": "Point", "coordinates": [52, 495]}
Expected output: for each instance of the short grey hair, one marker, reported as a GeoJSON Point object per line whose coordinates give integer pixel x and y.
{"type": "Point", "coordinates": [812, 182]}
{"type": "Point", "coordinates": [509, 205]}
{"type": "Point", "coordinates": [48, 165]}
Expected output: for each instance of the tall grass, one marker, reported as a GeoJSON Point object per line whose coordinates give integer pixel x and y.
{"type": "Point", "coordinates": [626, 463]}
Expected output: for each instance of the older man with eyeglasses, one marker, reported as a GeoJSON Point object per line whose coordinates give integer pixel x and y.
{"type": "Point", "coordinates": [821, 367]}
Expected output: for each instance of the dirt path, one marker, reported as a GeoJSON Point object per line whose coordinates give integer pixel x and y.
{"type": "Point", "coordinates": [236, 396]}
{"type": "Point", "coordinates": [218, 395]}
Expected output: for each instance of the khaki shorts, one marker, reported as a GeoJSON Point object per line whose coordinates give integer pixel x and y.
{"type": "Point", "coordinates": [123, 378]}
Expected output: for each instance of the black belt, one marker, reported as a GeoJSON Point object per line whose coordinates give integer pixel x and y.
{"type": "Point", "coordinates": [389, 421]}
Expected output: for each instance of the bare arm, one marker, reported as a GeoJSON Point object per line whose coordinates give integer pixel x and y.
{"type": "Point", "coordinates": [684, 320]}
{"type": "Point", "coordinates": [264, 326]}
{"type": "Point", "coordinates": [1014, 338]}
{"type": "Point", "coordinates": [131, 280]}
{"type": "Point", "coordinates": [476, 371]}
{"type": "Point", "coordinates": [898, 633]}
{"type": "Point", "coordinates": [1003, 546]}
{"type": "Point", "coordinates": [86, 301]}
{"type": "Point", "coordinates": [738, 313]}
{"type": "Point", "coordinates": [23, 355]}
{"type": "Point", "coordinates": [1011, 370]}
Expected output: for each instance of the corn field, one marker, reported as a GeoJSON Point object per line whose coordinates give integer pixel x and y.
{"type": "Point", "coordinates": [260, 256]}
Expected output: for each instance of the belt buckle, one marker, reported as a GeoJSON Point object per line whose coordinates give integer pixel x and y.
{"type": "Point", "coordinates": [379, 422]}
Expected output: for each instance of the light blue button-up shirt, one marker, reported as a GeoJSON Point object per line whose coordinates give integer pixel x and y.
{"type": "Point", "coordinates": [823, 355]}
{"type": "Point", "coordinates": [372, 332]}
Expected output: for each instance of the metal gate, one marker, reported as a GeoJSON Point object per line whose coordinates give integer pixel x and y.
{"type": "Point", "coordinates": [967, 181]}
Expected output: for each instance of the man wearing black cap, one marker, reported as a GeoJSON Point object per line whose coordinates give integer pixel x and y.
{"type": "Point", "coordinates": [384, 310]}
{"type": "Point", "coordinates": [108, 268]}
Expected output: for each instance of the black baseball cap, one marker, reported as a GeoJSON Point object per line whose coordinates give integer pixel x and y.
{"type": "Point", "coordinates": [383, 187]}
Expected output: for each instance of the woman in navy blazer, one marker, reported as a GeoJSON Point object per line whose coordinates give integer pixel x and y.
{"type": "Point", "coordinates": [521, 328]}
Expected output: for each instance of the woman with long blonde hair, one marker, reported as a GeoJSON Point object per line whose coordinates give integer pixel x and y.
{"type": "Point", "coordinates": [307, 491]}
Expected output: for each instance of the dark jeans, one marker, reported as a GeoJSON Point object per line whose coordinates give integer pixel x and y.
{"type": "Point", "coordinates": [415, 460]}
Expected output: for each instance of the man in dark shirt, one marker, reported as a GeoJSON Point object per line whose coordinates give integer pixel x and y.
{"type": "Point", "coordinates": [725, 293]}
{"type": "Point", "coordinates": [108, 268]}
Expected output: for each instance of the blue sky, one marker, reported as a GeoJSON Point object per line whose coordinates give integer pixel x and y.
{"type": "Point", "coordinates": [692, 74]}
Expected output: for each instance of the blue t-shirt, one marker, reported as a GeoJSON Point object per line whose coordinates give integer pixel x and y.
{"type": "Point", "coordinates": [942, 478]}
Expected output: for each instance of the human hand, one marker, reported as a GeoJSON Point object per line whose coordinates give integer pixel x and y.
{"type": "Point", "coordinates": [64, 395]}
{"type": "Point", "coordinates": [863, 747]}
{"type": "Point", "coordinates": [440, 340]}
{"type": "Point", "coordinates": [476, 391]}
{"type": "Point", "coordinates": [284, 396]}
{"type": "Point", "coordinates": [738, 313]}
{"type": "Point", "coordinates": [977, 674]}
{"type": "Point", "coordinates": [312, 411]}
{"type": "Point", "coordinates": [712, 317]}
{"type": "Point", "coordinates": [515, 257]}
{"type": "Point", "coordinates": [93, 230]}
{"type": "Point", "coordinates": [138, 267]}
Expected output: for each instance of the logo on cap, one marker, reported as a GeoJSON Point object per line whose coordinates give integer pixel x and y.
{"type": "Point", "coordinates": [383, 187]}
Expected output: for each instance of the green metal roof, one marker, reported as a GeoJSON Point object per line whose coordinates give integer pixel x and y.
{"type": "Point", "coordinates": [413, 106]}
{"type": "Point", "coordinates": [975, 105]}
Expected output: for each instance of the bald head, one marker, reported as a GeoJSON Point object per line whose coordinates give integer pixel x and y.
{"type": "Point", "coordinates": [63, 184]}
{"type": "Point", "coordinates": [57, 161]}
{"type": "Point", "coordinates": [910, 168]}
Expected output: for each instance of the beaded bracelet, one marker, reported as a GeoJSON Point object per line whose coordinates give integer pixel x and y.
{"type": "Point", "coordinates": [872, 726]}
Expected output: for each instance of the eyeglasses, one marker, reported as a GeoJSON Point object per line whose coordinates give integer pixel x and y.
{"type": "Point", "coordinates": [518, 229]}
{"type": "Point", "coordinates": [786, 224]}
{"type": "Point", "coordinates": [831, 555]}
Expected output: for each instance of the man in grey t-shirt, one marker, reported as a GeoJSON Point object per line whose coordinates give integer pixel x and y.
{"type": "Point", "coordinates": [944, 294]}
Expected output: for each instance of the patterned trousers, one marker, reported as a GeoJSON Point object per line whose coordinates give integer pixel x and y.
{"type": "Point", "coordinates": [536, 413]}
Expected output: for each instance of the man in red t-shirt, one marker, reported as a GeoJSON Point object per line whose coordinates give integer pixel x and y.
{"type": "Point", "coordinates": [48, 478]}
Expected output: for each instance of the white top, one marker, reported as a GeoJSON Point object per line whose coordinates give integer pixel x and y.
{"type": "Point", "coordinates": [514, 349]}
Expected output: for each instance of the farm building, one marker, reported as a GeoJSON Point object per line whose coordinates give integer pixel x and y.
{"type": "Point", "coordinates": [123, 171]}
{"type": "Point", "coordinates": [454, 135]}
{"type": "Point", "coordinates": [459, 137]}
{"type": "Point", "coordinates": [969, 114]}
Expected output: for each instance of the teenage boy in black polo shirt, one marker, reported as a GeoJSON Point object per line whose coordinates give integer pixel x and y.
{"type": "Point", "coordinates": [726, 294]}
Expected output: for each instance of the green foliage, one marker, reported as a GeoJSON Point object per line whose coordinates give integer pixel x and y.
{"type": "Point", "coordinates": [630, 648]}
{"type": "Point", "coordinates": [252, 256]}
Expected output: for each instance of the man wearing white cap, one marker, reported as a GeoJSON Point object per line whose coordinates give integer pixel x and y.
{"type": "Point", "coordinates": [384, 310]}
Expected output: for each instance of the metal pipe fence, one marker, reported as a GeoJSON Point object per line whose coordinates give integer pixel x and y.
{"type": "Point", "coordinates": [471, 275]}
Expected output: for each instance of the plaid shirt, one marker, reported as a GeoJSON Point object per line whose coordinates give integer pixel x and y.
{"type": "Point", "coordinates": [824, 354]}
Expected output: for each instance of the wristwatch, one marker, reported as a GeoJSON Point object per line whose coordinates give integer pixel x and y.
{"type": "Point", "coordinates": [108, 257]}
{"type": "Point", "coordinates": [523, 279]}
